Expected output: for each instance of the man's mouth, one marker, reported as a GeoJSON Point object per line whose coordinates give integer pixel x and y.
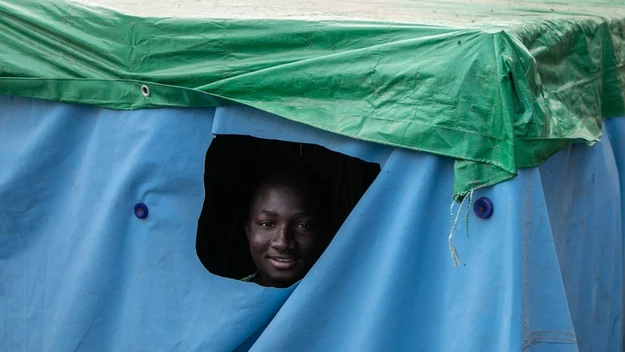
{"type": "Point", "coordinates": [283, 262]}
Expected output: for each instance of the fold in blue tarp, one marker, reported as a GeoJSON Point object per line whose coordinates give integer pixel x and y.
{"type": "Point", "coordinates": [78, 271]}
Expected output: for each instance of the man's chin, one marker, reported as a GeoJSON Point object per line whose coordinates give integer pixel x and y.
{"type": "Point", "coordinates": [284, 279]}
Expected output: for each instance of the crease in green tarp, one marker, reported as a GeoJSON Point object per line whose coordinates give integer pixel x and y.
{"type": "Point", "coordinates": [494, 100]}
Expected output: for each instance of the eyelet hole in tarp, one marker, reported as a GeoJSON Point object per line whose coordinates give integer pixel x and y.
{"type": "Point", "coordinates": [483, 208]}
{"type": "Point", "coordinates": [145, 91]}
{"type": "Point", "coordinates": [141, 211]}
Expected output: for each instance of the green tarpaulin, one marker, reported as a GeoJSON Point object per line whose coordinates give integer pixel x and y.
{"type": "Point", "coordinates": [496, 85]}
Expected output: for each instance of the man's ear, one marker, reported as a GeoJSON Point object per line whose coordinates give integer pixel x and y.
{"type": "Point", "coordinates": [247, 229]}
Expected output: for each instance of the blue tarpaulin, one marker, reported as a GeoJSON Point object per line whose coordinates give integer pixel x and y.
{"type": "Point", "coordinates": [79, 272]}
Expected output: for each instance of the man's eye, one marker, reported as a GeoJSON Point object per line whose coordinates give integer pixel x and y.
{"type": "Point", "coordinates": [266, 224]}
{"type": "Point", "coordinates": [304, 226]}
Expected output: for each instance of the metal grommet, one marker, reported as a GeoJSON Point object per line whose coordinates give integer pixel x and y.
{"type": "Point", "coordinates": [141, 211]}
{"type": "Point", "coordinates": [145, 91]}
{"type": "Point", "coordinates": [483, 208]}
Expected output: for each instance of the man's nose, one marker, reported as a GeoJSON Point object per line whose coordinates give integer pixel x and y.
{"type": "Point", "coordinates": [283, 239]}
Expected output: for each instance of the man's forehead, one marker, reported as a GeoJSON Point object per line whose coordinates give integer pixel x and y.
{"type": "Point", "coordinates": [275, 195]}
{"type": "Point", "coordinates": [284, 191]}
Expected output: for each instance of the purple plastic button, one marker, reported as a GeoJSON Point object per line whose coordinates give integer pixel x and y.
{"type": "Point", "coordinates": [141, 211]}
{"type": "Point", "coordinates": [483, 208]}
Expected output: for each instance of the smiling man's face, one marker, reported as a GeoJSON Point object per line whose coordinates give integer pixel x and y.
{"type": "Point", "coordinates": [286, 232]}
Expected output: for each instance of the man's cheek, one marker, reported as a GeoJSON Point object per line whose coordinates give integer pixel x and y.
{"type": "Point", "coordinates": [258, 243]}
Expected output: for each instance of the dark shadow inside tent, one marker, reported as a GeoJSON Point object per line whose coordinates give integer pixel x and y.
{"type": "Point", "coordinates": [235, 166]}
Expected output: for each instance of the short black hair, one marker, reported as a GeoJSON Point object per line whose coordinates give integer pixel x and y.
{"type": "Point", "coordinates": [294, 177]}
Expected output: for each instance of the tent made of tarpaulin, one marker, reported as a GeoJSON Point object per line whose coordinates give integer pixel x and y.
{"type": "Point", "coordinates": [111, 104]}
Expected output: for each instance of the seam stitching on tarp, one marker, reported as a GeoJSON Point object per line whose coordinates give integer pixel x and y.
{"type": "Point", "coordinates": [527, 223]}
{"type": "Point", "coordinates": [550, 336]}
{"type": "Point", "coordinates": [571, 335]}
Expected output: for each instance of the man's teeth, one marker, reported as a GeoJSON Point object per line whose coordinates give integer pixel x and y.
{"type": "Point", "coordinates": [284, 259]}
